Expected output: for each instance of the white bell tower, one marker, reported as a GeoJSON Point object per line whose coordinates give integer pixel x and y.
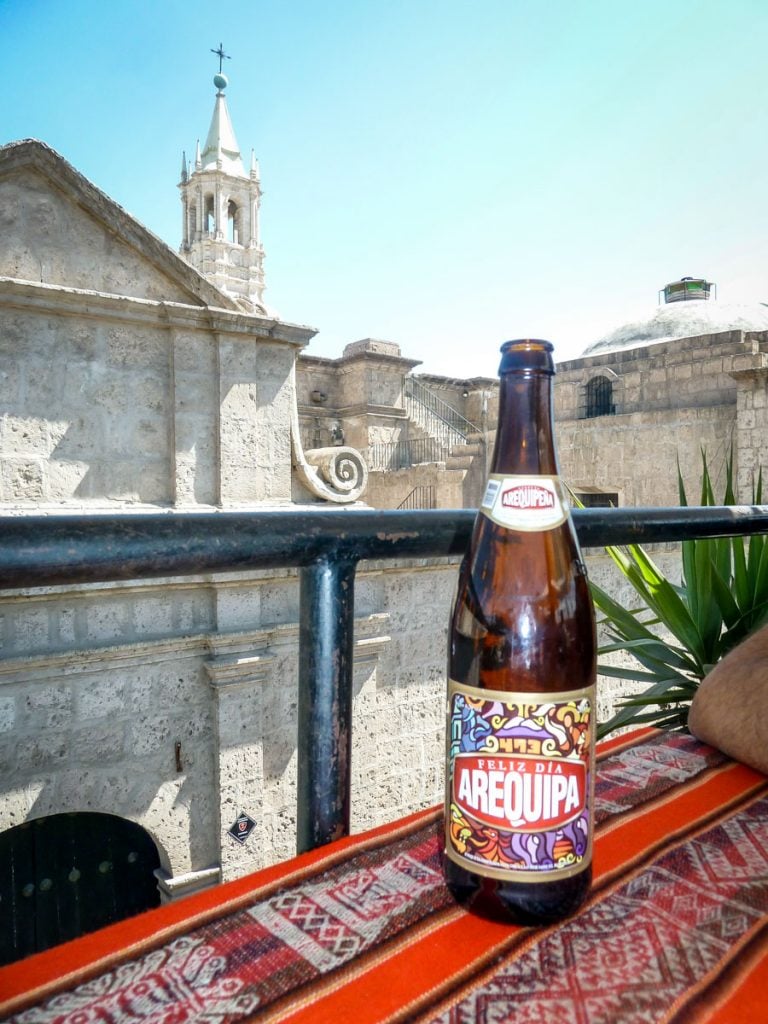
{"type": "Point", "coordinates": [220, 202]}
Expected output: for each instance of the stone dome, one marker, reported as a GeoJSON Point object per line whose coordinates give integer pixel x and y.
{"type": "Point", "coordinates": [687, 319]}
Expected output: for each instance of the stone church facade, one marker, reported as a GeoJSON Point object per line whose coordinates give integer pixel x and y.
{"type": "Point", "coordinates": [136, 379]}
{"type": "Point", "coordinates": [130, 382]}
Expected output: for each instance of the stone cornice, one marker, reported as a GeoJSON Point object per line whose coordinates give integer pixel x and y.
{"type": "Point", "coordinates": [81, 302]}
{"type": "Point", "coordinates": [340, 362]}
{"type": "Point", "coordinates": [367, 409]}
{"type": "Point", "coordinates": [454, 383]}
{"type": "Point", "coordinates": [378, 357]}
{"type": "Point", "coordinates": [77, 661]}
{"type": "Point", "coordinates": [247, 659]}
{"type": "Point", "coordinates": [238, 671]}
{"type": "Point", "coordinates": [749, 367]}
{"type": "Point", "coordinates": [235, 658]}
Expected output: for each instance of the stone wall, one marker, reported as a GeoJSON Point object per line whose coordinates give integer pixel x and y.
{"type": "Point", "coordinates": [174, 704]}
{"type": "Point", "coordinates": [48, 237]}
{"type": "Point", "coordinates": [89, 413]}
{"type": "Point", "coordinates": [141, 402]}
{"type": "Point", "coordinates": [636, 455]}
{"type": "Point", "coordinates": [751, 434]}
{"type": "Point", "coordinates": [361, 393]}
{"type": "Point", "coordinates": [685, 372]}
{"type": "Point", "coordinates": [126, 376]}
{"type": "Point", "coordinates": [672, 400]}
{"type": "Point", "coordinates": [390, 488]}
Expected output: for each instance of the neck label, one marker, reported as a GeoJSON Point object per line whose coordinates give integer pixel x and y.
{"type": "Point", "coordinates": [527, 503]}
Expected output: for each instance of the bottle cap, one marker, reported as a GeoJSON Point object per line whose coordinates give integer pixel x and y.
{"type": "Point", "coordinates": [527, 354]}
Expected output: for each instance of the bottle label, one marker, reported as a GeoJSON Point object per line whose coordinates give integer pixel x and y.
{"type": "Point", "coordinates": [525, 502]}
{"type": "Point", "coordinates": [520, 777]}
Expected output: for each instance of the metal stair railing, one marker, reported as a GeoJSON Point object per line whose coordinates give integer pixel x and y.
{"type": "Point", "coordinates": [391, 455]}
{"type": "Point", "coordinates": [434, 415]}
{"type": "Point", "coordinates": [422, 496]}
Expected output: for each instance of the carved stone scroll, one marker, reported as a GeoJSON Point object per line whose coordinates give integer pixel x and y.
{"type": "Point", "coordinates": [337, 474]}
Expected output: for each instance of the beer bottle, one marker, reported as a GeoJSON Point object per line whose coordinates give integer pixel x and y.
{"type": "Point", "coordinates": [521, 675]}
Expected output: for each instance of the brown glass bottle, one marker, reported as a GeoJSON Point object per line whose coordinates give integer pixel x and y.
{"type": "Point", "coordinates": [521, 669]}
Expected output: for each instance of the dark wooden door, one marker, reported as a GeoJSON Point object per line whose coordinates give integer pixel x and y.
{"type": "Point", "coordinates": [68, 874]}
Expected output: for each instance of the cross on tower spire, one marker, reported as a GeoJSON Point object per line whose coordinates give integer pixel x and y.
{"type": "Point", "coordinates": [221, 55]}
{"type": "Point", "coordinates": [221, 208]}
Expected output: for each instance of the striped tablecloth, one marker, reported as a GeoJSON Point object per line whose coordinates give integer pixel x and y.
{"type": "Point", "coordinates": [675, 928]}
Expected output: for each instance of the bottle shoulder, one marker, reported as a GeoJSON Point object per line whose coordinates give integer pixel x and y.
{"type": "Point", "coordinates": [523, 616]}
{"type": "Point", "coordinates": [501, 560]}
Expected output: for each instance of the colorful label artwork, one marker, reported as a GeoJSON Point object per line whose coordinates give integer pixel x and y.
{"type": "Point", "coordinates": [519, 777]}
{"type": "Point", "coordinates": [525, 503]}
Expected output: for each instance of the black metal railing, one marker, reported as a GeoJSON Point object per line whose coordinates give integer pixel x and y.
{"type": "Point", "coordinates": [326, 546]}
{"type": "Point", "coordinates": [422, 496]}
{"type": "Point", "coordinates": [458, 427]}
{"type": "Point", "coordinates": [392, 455]}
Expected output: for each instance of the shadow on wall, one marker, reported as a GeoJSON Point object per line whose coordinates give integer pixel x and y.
{"type": "Point", "coordinates": [86, 411]}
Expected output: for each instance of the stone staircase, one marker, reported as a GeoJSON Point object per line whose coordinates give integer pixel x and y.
{"type": "Point", "coordinates": [434, 417]}
{"type": "Point", "coordinates": [441, 463]}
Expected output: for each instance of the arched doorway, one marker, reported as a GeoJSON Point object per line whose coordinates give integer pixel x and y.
{"type": "Point", "coordinates": [69, 874]}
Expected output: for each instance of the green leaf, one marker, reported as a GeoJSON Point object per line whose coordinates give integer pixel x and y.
{"type": "Point", "coordinates": [614, 672]}
{"type": "Point", "coordinates": [681, 485]}
{"type": "Point", "coordinates": [740, 580]}
{"type": "Point", "coordinates": [679, 632]}
{"type": "Point", "coordinates": [729, 498]}
{"type": "Point", "coordinates": [662, 598]}
{"type": "Point", "coordinates": [627, 622]}
{"type": "Point", "coordinates": [707, 494]}
{"type": "Point", "coordinates": [726, 602]}
{"type": "Point", "coordinates": [708, 617]}
{"type": "Point", "coordinates": [658, 658]}
{"type": "Point", "coordinates": [671, 697]}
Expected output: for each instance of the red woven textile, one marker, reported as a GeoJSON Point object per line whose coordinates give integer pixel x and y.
{"type": "Point", "coordinates": [675, 928]}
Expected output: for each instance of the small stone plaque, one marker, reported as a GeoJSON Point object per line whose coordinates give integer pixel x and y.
{"type": "Point", "coordinates": [242, 827]}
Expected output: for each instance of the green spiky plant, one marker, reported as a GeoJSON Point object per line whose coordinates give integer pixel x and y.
{"type": "Point", "coordinates": [679, 632]}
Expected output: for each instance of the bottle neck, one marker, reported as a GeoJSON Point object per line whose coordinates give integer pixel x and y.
{"type": "Point", "coordinates": [525, 437]}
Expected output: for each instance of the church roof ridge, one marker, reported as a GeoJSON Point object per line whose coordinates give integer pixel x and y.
{"type": "Point", "coordinates": [50, 163]}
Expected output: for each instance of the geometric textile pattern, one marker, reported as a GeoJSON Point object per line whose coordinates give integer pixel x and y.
{"type": "Point", "coordinates": [364, 930]}
{"type": "Point", "coordinates": [631, 955]}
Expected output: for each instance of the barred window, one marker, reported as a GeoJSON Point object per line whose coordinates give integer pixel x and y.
{"type": "Point", "coordinates": [594, 498]}
{"type": "Point", "coordinates": [599, 398]}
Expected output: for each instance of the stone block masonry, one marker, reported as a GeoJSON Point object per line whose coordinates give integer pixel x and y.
{"type": "Point", "coordinates": [174, 704]}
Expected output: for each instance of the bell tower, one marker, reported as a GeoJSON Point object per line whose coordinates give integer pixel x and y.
{"type": "Point", "coordinates": [220, 204]}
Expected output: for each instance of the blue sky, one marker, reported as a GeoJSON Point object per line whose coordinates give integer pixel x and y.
{"type": "Point", "coordinates": [443, 175]}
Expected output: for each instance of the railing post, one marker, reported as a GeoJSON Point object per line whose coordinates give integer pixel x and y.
{"type": "Point", "coordinates": [325, 701]}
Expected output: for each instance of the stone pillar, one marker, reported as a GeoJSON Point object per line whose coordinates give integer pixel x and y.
{"type": "Point", "coordinates": [371, 405]}
{"type": "Point", "coordinates": [751, 438]}
{"type": "Point", "coordinates": [237, 672]}
{"type": "Point", "coordinates": [254, 420]}
{"type": "Point", "coordinates": [195, 418]}
{"type": "Point", "coordinates": [254, 676]}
